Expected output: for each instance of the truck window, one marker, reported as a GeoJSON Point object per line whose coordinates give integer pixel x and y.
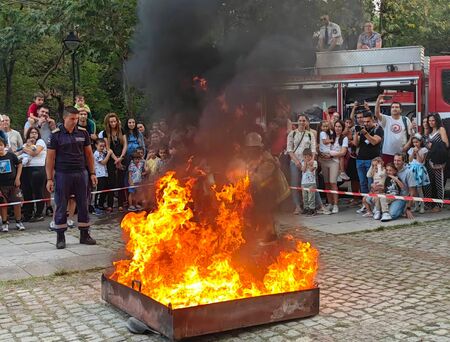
{"type": "Point", "coordinates": [446, 85]}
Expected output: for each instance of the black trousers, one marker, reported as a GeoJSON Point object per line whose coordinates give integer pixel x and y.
{"type": "Point", "coordinates": [116, 179]}
{"type": "Point", "coordinates": [33, 182]}
{"type": "Point", "coordinates": [100, 199]}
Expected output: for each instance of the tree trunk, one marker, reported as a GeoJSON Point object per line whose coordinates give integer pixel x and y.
{"type": "Point", "coordinates": [9, 71]}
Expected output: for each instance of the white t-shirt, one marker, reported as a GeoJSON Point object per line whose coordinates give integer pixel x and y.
{"type": "Point", "coordinates": [100, 170]}
{"type": "Point", "coordinates": [324, 148]}
{"type": "Point", "coordinates": [394, 134]}
{"type": "Point", "coordinates": [422, 152]}
{"type": "Point", "coordinates": [39, 160]}
{"type": "Point", "coordinates": [309, 177]}
{"type": "Point", "coordinates": [335, 147]}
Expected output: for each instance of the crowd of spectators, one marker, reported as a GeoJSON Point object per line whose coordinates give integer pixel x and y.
{"type": "Point", "coordinates": [377, 153]}
{"type": "Point", "coordinates": [124, 156]}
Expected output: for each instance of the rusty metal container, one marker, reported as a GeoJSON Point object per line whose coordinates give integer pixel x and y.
{"type": "Point", "coordinates": [200, 320]}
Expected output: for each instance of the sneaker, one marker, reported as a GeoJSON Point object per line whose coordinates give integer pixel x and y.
{"type": "Point", "coordinates": [312, 212]}
{"type": "Point", "coordinates": [386, 217]}
{"type": "Point", "coordinates": [368, 214]}
{"type": "Point", "coordinates": [297, 211]}
{"type": "Point", "coordinates": [361, 210]}
{"type": "Point", "coordinates": [37, 219]}
{"type": "Point", "coordinates": [377, 215]}
{"type": "Point", "coordinates": [132, 208]}
{"type": "Point", "coordinates": [323, 211]}
{"type": "Point", "coordinates": [20, 226]}
{"type": "Point", "coordinates": [422, 209]}
{"type": "Point", "coordinates": [51, 227]}
{"type": "Point", "coordinates": [335, 209]}
{"type": "Point", "coordinates": [5, 227]}
{"type": "Point", "coordinates": [70, 223]}
{"type": "Point", "coordinates": [98, 212]}
{"type": "Point", "coordinates": [138, 207]}
{"type": "Point", "coordinates": [344, 176]}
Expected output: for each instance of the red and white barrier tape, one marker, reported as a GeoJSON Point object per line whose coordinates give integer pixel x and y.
{"type": "Point", "coordinates": [92, 193]}
{"type": "Point", "coordinates": [337, 192]}
{"type": "Point", "coordinates": [405, 198]}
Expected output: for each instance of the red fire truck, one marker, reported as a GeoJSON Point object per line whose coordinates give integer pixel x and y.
{"type": "Point", "coordinates": [420, 83]}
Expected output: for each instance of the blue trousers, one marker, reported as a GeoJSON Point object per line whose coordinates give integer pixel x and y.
{"type": "Point", "coordinates": [362, 167]}
{"type": "Point", "coordinates": [66, 185]}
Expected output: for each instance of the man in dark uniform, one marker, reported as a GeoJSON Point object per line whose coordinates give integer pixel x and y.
{"type": "Point", "coordinates": [69, 159]}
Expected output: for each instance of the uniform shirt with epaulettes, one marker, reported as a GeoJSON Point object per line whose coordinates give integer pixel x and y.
{"type": "Point", "coordinates": [69, 149]}
{"type": "Point", "coordinates": [331, 31]}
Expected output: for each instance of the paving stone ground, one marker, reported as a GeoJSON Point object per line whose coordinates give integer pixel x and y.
{"type": "Point", "coordinates": [386, 285]}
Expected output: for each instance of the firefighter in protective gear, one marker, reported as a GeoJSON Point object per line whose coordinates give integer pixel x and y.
{"type": "Point", "coordinates": [268, 185]}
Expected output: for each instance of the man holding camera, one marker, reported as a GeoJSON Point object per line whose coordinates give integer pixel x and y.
{"type": "Point", "coordinates": [368, 139]}
{"type": "Point", "coordinates": [45, 124]}
{"type": "Point", "coordinates": [397, 128]}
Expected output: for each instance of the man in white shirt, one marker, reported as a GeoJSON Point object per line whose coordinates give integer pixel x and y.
{"type": "Point", "coordinates": [14, 138]}
{"type": "Point", "coordinates": [397, 129]}
{"type": "Point", "coordinates": [330, 36]}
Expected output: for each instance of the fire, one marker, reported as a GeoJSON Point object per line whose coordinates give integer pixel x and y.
{"type": "Point", "coordinates": [184, 261]}
{"type": "Point", "coordinates": [200, 82]}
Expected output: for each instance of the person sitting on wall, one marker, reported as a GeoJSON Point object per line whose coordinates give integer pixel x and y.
{"type": "Point", "coordinates": [369, 39]}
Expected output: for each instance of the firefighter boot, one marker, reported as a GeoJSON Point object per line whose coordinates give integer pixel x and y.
{"type": "Point", "coordinates": [85, 238]}
{"type": "Point", "coordinates": [60, 240]}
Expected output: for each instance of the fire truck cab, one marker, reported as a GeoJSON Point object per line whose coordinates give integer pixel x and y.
{"type": "Point", "coordinates": [404, 74]}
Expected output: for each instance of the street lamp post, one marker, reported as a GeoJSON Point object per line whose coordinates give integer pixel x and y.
{"type": "Point", "coordinates": [71, 43]}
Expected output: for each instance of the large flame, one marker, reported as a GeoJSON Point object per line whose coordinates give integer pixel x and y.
{"type": "Point", "coordinates": [183, 261]}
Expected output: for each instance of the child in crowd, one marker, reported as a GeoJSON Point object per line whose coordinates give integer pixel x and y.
{"type": "Point", "coordinates": [165, 157]}
{"type": "Point", "coordinates": [101, 157]}
{"type": "Point", "coordinates": [392, 186]}
{"type": "Point", "coordinates": [325, 138]}
{"type": "Point", "coordinates": [25, 157]}
{"type": "Point", "coordinates": [309, 168]}
{"type": "Point", "coordinates": [80, 103]}
{"type": "Point", "coordinates": [153, 164]}
{"type": "Point", "coordinates": [377, 172]}
{"type": "Point", "coordinates": [136, 173]}
{"type": "Point", "coordinates": [10, 172]}
{"type": "Point", "coordinates": [417, 156]}
{"type": "Point", "coordinates": [32, 109]}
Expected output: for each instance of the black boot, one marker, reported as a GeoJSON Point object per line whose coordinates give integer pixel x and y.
{"type": "Point", "coordinates": [85, 238]}
{"type": "Point", "coordinates": [60, 240]}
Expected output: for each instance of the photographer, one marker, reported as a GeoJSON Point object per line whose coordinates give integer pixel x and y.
{"type": "Point", "coordinates": [398, 129]}
{"type": "Point", "coordinates": [44, 124]}
{"type": "Point", "coordinates": [368, 139]}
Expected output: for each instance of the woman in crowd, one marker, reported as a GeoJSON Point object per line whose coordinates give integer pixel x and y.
{"type": "Point", "coordinates": [351, 170]}
{"type": "Point", "coordinates": [33, 174]}
{"type": "Point", "coordinates": [297, 141]}
{"type": "Point", "coordinates": [330, 164]}
{"type": "Point", "coordinates": [437, 143]}
{"type": "Point", "coordinates": [116, 140]}
{"type": "Point", "coordinates": [135, 139]}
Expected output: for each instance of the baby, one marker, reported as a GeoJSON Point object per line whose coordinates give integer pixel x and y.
{"type": "Point", "coordinates": [25, 157]}
{"type": "Point", "coordinates": [377, 172]}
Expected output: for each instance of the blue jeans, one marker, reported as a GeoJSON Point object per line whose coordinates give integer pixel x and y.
{"type": "Point", "coordinates": [397, 208]}
{"type": "Point", "coordinates": [296, 177]}
{"type": "Point", "coordinates": [363, 166]}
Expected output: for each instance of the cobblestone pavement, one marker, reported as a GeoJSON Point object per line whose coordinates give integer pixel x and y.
{"type": "Point", "coordinates": [389, 285]}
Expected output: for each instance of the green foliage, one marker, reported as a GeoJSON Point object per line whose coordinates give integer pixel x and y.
{"type": "Point", "coordinates": [31, 34]}
{"type": "Point", "coordinates": [417, 22]}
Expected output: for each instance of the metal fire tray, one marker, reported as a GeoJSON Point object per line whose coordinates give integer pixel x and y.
{"type": "Point", "coordinates": [199, 320]}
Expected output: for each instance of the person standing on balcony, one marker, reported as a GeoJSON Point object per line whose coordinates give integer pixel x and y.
{"type": "Point", "coordinates": [330, 36]}
{"type": "Point", "coordinates": [369, 39]}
